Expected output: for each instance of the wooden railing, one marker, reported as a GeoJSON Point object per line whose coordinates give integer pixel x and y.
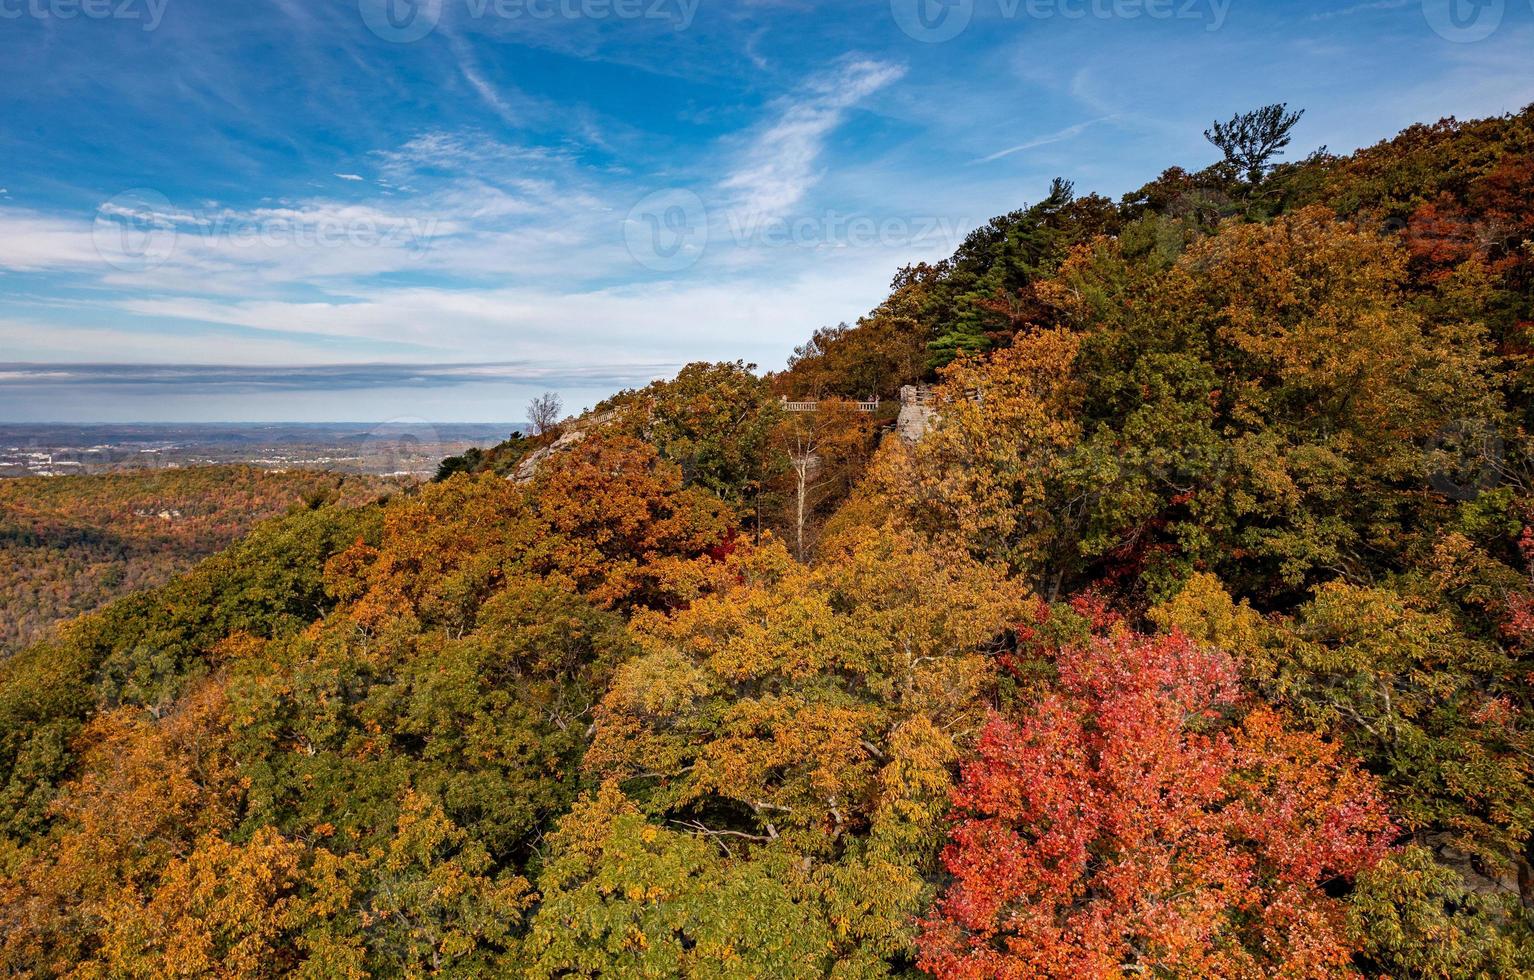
{"type": "Point", "coordinates": [788, 406]}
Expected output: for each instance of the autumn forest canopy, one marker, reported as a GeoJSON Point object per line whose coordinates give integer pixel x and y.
{"type": "Point", "coordinates": [1192, 635]}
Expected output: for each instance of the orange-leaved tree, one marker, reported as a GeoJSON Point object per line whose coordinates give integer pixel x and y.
{"type": "Point", "coordinates": [1129, 823]}
{"type": "Point", "coordinates": [608, 518]}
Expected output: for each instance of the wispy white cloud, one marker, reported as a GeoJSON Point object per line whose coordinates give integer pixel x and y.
{"type": "Point", "coordinates": [780, 164]}
{"type": "Point", "coordinates": [226, 377]}
{"type": "Point", "coordinates": [461, 206]}
{"type": "Point", "coordinates": [482, 87]}
{"type": "Point", "coordinates": [1059, 136]}
{"type": "Point", "coordinates": [1362, 8]}
{"type": "Point", "coordinates": [30, 242]}
{"type": "Point", "coordinates": [723, 316]}
{"type": "Point", "coordinates": [348, 176]}
{"type": "Point", "coordinates": [463, 152]}
{"type": "Point", "coordinates": [39, 340]}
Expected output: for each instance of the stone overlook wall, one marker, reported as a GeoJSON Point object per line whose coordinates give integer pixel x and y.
{"type": "Point", "coordinates": [916, 412]}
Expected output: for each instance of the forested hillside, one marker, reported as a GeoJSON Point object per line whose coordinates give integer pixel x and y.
{"type": "Point", "coordinates": [68, 545]}
{"type": "Point", "coordinates": [1193, 639]}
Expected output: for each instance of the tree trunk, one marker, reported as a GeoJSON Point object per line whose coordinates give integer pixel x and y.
{"type": "Point", "coordinates": [801, 474]}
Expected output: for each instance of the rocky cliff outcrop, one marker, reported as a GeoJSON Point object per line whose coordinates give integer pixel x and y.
{"type": "Point", "coordinates": [528, 468]}
{"type": "Point", "coordinates": [575, 431]}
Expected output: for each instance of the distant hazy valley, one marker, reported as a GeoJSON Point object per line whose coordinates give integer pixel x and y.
{"type": "Point", "coordinates": [382, 449]}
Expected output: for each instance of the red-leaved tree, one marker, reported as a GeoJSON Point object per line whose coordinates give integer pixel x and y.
{"type": "Point", "coordinates": [1137, 821]}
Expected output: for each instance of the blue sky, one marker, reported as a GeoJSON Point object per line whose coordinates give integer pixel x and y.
{"type": "Point", "coordinates": [470, 201]}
